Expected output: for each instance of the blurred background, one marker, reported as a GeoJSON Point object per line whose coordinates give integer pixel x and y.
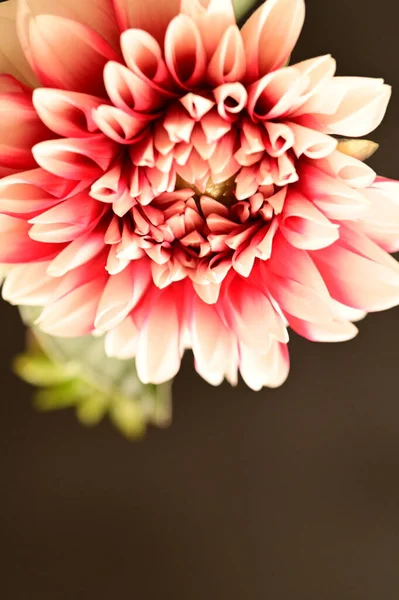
{"type": "Point", "coordinates": [288, 494]}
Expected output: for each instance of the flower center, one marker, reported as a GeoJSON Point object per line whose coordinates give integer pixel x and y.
{"type": "Point", "coordinates": [221, 192]}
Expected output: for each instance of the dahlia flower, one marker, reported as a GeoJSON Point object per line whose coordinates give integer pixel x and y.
{"type": "Point", "coordinates": [169, 182]}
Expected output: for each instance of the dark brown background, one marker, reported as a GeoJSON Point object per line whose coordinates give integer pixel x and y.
{"type": "Point", "coordinates": [286, 495]}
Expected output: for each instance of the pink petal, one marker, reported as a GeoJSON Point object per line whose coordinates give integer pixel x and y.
{"type": "Point", "coordinates": [67, 220]}
{"type": "Point", "coordinates": [273, 95]}
{"type": "Point", "coordinates": [128, 91]}
{"type": "Point", "coordinates": [358, 273]}
{"type": "Point", "coordinates": [77, 253]}
{"type": "Point", "coordinates": [332, 196]}
{"type": "Point", "coordinates": [270, 35]}
{"type": "Point", "coordinates": [51, 43]}
{"type": "Point", "coordinates": [20, 129]}
{"type": "Point", "coordinates": [16, 245]}
{"type": "Point", "coordinates": [382, 222]}
{"type": "Point", "coordinates": [12, 58]}
{"type": "Point", "coordinates": [98, 15]}
{"type": "Point", "coordinates": [152, 16]}
{"type": "Point", "coordinates": [144, 56]}
{"type": "Point", "coordinates": [251, 316]}
{"type": "Point", "coordinates": [295, 283]}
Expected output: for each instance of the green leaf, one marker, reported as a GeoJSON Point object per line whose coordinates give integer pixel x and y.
{"type": "Point", "coordinates": [243, 7]}
{"type": "Point", "coordinates": [78, 373]}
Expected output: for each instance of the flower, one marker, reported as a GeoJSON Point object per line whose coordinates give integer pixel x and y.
{"type": "Point", "coordinates": [168, 181]}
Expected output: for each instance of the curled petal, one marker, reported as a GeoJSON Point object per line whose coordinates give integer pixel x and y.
{"type": "Point", "coordinates": [76, 159]}
{"type": "Point", "coordinates": [143, 55]}
{"type": "Point", "coordinates": [120, 126]}
{"type": "Point", "coordinates": [212, 18]}
{"type": "Point", "coordinates": [270, 35]}
{"type": "Point", "coordinates": [272, 95]}
{"type": "Point", "coordinates": [185, 55]}
{"type": "Point", "coordinates": [231, 99]}
{"type": "Point", "coordinates": [228, 62]}
{"type": "Point", "coordinates": [311, 143]}
{"type": "Point", "coordinates": [128, 91]}
{"type": "Point", "coordinates": [69, 114]}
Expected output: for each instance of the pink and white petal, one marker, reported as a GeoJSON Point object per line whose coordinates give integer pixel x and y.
{"type": "Point", "coordinates": [304, 226]}
{"type": "Point", "coordinates": [12, 58]}
{"type": "Point", "coordinates": [66, 221]}
{"type": "Point", "coordinates": [77, 253]}
{"type": "Point", "coordinates": [227, 64]}
{"type": "Point", "coordinates": [121, 294]}
{"type": "Point", "coordinates": [212, 17]}
{"type": "Point", "coordinates": [76, 159]}
{"type": "Point", "coordinates": [352, 171]}
{"type": "Point", "coordinates": [211, 342]}
{"type": "Point", "coordinates": [311, 143]}
{"type": "Point", "coordinates": [185, 54]}
{"type": "Point", "coordinates": [73, 314]}
{"type": "Point", "coordinates": [336, 331]}
{"type": "Point", "coordinates": [52, 43]}
{"type": "Point", "coordinates": [121, 341]}
{"type": "Point", "coordinates": [69, 114]}
{"type": "Point", "coordinates": [337, 200]}
{"type": "Point", "coordinates": [29, 285]}
{"type": "Point", "coordinates": [296, 284]}
{"type": "Point", "coordinates": [158, 350]}
{"type": "Point", "coordinates": [270, 35]}
{"type": "Point", "coordinates": [152, 16]}
{"type": "Point", "coordinates": [358, 273]}
{"type": "Point", "coordinates": [259, 370]}
{"type": "Point", "coordinates": [17, 247]}
{"type": "Point", "coordinates": [361, 108]}
{"type": "Point", "coordinates": [98, 15]}
{"type": "Point", "coordinates": [382, 222]}
{"type": "Point", "coordinates": [251, 316]}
